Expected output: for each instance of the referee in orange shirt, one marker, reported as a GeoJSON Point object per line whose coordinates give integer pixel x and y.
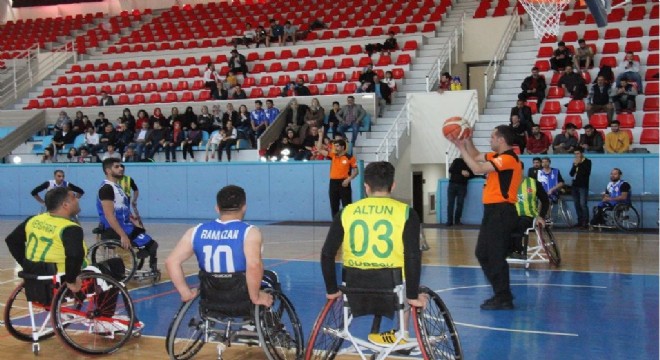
{"type": "Point", "coordinates": [343, 169]}
{"type": "Point", "coordinates": [500, 195]}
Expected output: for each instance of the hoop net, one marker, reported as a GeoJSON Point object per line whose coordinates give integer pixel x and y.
{"type": "Point", "coordinates": [545, 15]}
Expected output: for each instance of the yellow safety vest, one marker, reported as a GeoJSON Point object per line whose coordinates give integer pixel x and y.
{"type": "Point", "coordinates": [44, 240]}
{"type": "Point", "coordinates": [527, 204]}
{"type": "Point", "coordinates": [373, 233]}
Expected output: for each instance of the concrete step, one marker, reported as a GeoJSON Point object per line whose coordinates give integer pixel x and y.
{"type": "Point", "coordinates": [527, 55]}
{"type": "Point", "coordinates": [415, 74]}
{"type": "Point", "coordinates": [522, 49]}
{"type": "Point", "coordinates": [517, 77]}
{"type": "Point", "coordinates": [516, 69]}
{"type": "Point", "coordinates": [506, 97]}
{"type": "Point", "coordinates": [517, 62]}
{"type": "Point", "coordinates": [507, 104]}
{"type": "Point", "coordinates": [525, 42]}
{"type": "Point", "coordinates": [425, 60]}
{"type": "Point", "coordinates": [506, 91]}
{"type": "Point", "coordinates": [526, 35]}
{"type": "Point", "coordinates": [508, 84]}
{"type": "Point", "coordinates": [498, 111]}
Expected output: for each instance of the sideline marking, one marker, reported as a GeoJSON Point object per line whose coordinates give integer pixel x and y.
{"type": "Point", "coordinates": [515, 330]}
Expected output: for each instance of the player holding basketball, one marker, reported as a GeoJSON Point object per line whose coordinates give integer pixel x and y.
{"type": "Point", "coordinates": [504, 175]}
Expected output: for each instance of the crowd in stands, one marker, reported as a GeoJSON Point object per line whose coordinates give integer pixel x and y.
{"type": "Point", "coordinates": [449, 83]}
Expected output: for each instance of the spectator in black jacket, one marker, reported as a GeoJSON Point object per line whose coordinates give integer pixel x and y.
{"type": "Point", "coordinates": [580, 171]}
{"type": "Point", "coordinates": [561, 57]}
{"type": "Point", "coordinates": [524, 113]}
{"type": "Point", "coordinates": [301, 89]}
{"type": "Point", "coordinates": [573, 84]}
{"type": "Point", "coordinates": [534, 85]}
{"type": "Point", "coordinates": [459, 174]}
{"type": "Point", "coordinates": [238, 63]}
{"type": "Point", "coordinates": [591, 141]}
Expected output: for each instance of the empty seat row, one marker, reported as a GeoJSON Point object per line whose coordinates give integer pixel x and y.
{"type": "Point", "coordinates": [551, 107]}
{"type": "Point", "coordinates": [598, 121]}
{"type": "Point", "coordinates": [609, 34]}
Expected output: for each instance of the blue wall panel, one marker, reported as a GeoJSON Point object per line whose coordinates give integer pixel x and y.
{"type": "Point", "coordinates": [275, 191]}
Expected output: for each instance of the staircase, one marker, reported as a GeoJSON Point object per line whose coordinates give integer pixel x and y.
{"type": "Point", "coordinates": [415, 79]}
{"type": "Point", "coordinates": [519, 60]}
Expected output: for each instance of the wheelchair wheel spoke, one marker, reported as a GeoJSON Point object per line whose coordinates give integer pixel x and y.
{"type": "Point", "coordinates": [186, 335]}
{"type": "Point", "coordinates": [436, 330]}
{"type": "Point", "coordinates": [17, 317]}
{"type": "Point", "coordinates": [324, 342]}
{"type": "Point", "coordinates": [280, 329]}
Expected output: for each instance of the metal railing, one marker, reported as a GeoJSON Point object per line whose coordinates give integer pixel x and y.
{"type": "Point", "coordinates": [495, 63]}
{"type": "Point", "coordinates": [390, 142]}
{"type": "Point", "coordinates": [444, 58]}
{"type": "Point", "coordinates": [30, 67]}
{"type": "Point", "coordinates": [471, 114]}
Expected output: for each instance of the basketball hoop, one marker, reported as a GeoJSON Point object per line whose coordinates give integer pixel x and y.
{"type": "Point", "coordinates": [545, 15]}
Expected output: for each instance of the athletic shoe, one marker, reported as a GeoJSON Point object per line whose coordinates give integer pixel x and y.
{"type": "Point", "coordinates": [387, 338]}
{"type": "Point", "coordinates": [120, 325]}
{"type": "Point", "coordinates": [495, 303]}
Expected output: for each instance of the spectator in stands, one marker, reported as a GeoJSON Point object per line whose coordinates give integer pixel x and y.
{"type": "Point", "coordinates": [629, 68]}
{"type": "Point", "coordinates": [127, 117]}
{"type": "Point", "coordinates": [174, 116]}
{"type": "Point", "coordinates": [367, 75]}
{"type": "Point", "coordinates": [101, 122]}
{"type": "Point", "coordinates": [289, 89]}
{"type": "Point", "coordinates": [445, 82]}
{"type": "Point", "coordinates": [211, 78]}
{"type": "Point", "coordinates": [142, 117]}
{"type": "Point", "coordinates": [459, 174]}
{"type": "Point", "coordinates": [158, 117]}
{"type": "Point", "coordinates": [591, 141]}
{"type": "Point", "coordinates": [106, 100]}
{"type": "Point", "coordinates": [383, 94]}
{"type": "Point", "coordinates": [616, 141]}
{"type": "Point", "coordinates": [108, 137]}
{"type": "Point", "coordinates": [92, 141]}
{"type": "Point", "coordinates": [561, 57]}
{"type": "Point", "coordinates": [623, 96]}
{"type": "Point", "coordinates": [261, 37]}
{"type": "Point", "coordinates": [129, 155]}
{"type": "Point", "coordinates": [534, 170]}
{"type": "Point", "coordinates": [606, 72]}
{"type": "Point", "coordinates": [111, 153]}
{"type": "Point", "coordinates": [276, 32]}
{"type": "Point", "coordinates": [567, 141]}
{"type": "Point", "coordinates": [573, 83]}
{"type": "Point", "coordinates": [230, 81]}
{"type": "Point", "coordinates": [258, 119]}
{"type": "Point", "coordinates": [193, 138]}
{"type": "Point", "coordinates": [580, 172]}
{"type": "Point", "coordinates": [315, 114]}
{"type": "Point", "coordinates": [229, 138]}
{"type": "Point", "coordinates": [87, 122]}
{"type": "Point", "coordinates": [72, 155]}
{"type": "Point", "coordinates": [599, 99]}
{"type": "Point", "coordinates": [47, 157]}
{"type": "Point", "coordinates": [271, 112]}
{"type": "Point", "coordinates": [216, 116]}
{"type": "Point", "coordinates": [188, 118]}
{"type": "Point", "coordinates": [176, 137]}
{"type": "Point", "coordinates": [391, 83]}
{"type": "Point", "coordinates": [244, 125]}
{"type": "Point", "coordinates": [62, 119]}
{"type": "Point", "coordinates": [350, 116]}
{"type": "Point", "coordinates": [205, 120]}
{"type": "Point", "coordinates": [157, 140]}
{"type": "Point", "coordinates": [238, 63]}
{"type": "Point", "coordinates": [301, 89]}
{"type": "Point", "coordinates": [290, 32]}
{"type": "Point", "coordinates": [534, 86]}
{"type": "Point", "coordinates": [61, 138]}
{"type": "Point", "coordinates": [124, 138]}
{"type": "Point", "coordinates": [520, 130]}
{"type": "Point", "coordinates": [307, 149]}
{"type": "Point", "coordinates": [295, 117]}
{"type": "Point", "coordinates": [237, 93]}
{"type": "Point", "coordinates": [140, 140]}
{"type": "Point", "coordinates": [249, 34]}
{"type": "Point", "coordinates": [212, 144]}
{"type": "Point", "coordinates": [584, 56]}
{"type": "Point", "coordinates": [333, 122]}
{"type": "Point", "coordinates": [537, 143]}
{"type": "Point", "coordinates": [524, 113]}
{"type": "Point", "coordinates": [229, 115]}
{"type": "Point", "coordinates": [78, 123]}
{"type": "Point", "coordinates": [390, 44]}
{"type": "Point", "coordinates": [85, 157]}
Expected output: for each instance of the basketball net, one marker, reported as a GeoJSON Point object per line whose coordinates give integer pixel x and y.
{"type": "Point", "coordinates": [545, 15]}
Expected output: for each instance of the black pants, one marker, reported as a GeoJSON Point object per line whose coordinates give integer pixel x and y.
{"type": "Point", "coordinates": [150, 249]}
{"type": "Point", "coordinates": [339, 193]}
{"type": "Point", "coordinates": [455, 194]}
{"type": "Point", "coordinates": [493, 244]}
{"type": "Point", "coordinates": [524, 223]}
{"type": "Point", "coordinates": [213, 86]}
{"type": "Point", "coordinates": [226, 146]}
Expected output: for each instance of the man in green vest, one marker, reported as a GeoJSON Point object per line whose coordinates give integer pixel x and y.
{"type": "Point", "coordinates": [530, 192]}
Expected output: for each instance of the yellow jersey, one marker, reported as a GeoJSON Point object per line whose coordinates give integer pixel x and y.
{"type": "Point", "coordinates": [44, 240]}
{"type": "Point", "coordinates": [373, 233]}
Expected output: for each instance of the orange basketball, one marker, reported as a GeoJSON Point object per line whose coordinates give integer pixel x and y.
{"type": "Point", "coordinates": [456, 128]}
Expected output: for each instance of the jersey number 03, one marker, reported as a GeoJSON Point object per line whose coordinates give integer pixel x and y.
{"type": "Point", "coordinates": [383, 231]}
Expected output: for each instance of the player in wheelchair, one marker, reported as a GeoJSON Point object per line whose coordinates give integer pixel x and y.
{"type": "Point", "coordinates": [379, 237]}
{"type": "Point", "coordinates": [616, 210]}
{"type": "Point", "coordinates": [118, 224]}
{"type": "Point", "coordinates": [237, 299]}
{"type": "Point", "coordinates": [530, 193]}
{"type": "Point", "coordinates": [91, 311]}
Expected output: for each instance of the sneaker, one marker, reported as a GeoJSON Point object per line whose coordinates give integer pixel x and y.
{"type": "Point", "coordinates": [495, 303]}
{"type": "Point", "coordinates": [387, 338]}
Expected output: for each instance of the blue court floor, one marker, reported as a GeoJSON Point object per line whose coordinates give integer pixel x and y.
{"type": "Point", "coordinates": [558, 314]}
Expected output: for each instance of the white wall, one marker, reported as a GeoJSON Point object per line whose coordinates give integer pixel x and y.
{"type": "Point", "coordinates": [482, 37]}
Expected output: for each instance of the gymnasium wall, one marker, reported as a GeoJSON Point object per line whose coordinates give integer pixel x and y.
{"type": "Point", "coordinates": [640, 170]}
{"type": "Point", "coordinates": [295, 191]}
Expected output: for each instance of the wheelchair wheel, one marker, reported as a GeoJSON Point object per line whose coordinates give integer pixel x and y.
{"type": "Point", "coordinates": [626, 217]}
{"type": "Point", "coordinates": [547, 239]}
{"type": "Point", "coordinates": [435, 330]}
{"type": "Point", "coordinates": [108, 249]}
{"type": "Point", "coordinates": [323, 341]}
{"type": "Point", "coordinates": [97, 320]}
{"type": "Point", "coordinates": [186, 334]}
{"type": "Point", "coordinates": [17, 316]}
{"type": "Point", "coordinates": [279, 329]}
{"type": "Point", "coordinates": [565, 213]}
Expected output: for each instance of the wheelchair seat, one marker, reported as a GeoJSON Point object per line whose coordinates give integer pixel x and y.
{"type": "Point", "coordinates": [224, 295]}
{"type": "Point", "coordinates": [362, 284]}
{"type": "Point", "coordinates": [38, 291]}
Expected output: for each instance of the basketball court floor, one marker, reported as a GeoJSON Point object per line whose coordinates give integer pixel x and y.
{"type": "Point", "coordinates": [602, 303]}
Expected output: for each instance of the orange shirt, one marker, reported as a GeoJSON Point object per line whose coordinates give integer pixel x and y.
{"type": "Point", "coordinates": [341, 166]}
{"type": "Point", "coordinates": [502, 184]}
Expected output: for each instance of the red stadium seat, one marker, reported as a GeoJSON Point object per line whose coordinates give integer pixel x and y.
{"type": "Point", "coordinates": [48, 103]}
{"type": "Point", "coordinates": [313, 89]}
{"type": "Point", "coordinates": [384, 60]}
{"type": "Point", "coordinates": [346, 63]}
{"type": "Point", "coordinates": [573, 119]}
{"type": "Point", "coordinates": [611, 48]}
{"type": "Point", "coordinates": [397, 73]}
{"type": "Point", "coordinates": [555, 92]}
{"type": "Point", "coordinates": [542, 65]}
{"type": "Point", "coordinates": [155, 98]}
{"type": "Point", "coordinates": [92, 101]}
{"type": "Point", "coordinates": [286, 54]}
{"type": "Point", "coordinates": [293, 66]}
{"type": "Point", "coordinates": [570, 36]}
{"type": "Point", "coordinates": [62, 92]}
{"type": "Point", "coordinates": [62, 102]}
{"type": "Point", "coordinates": [258, 68]}
{"type": "Point", "coordinates": [626, 120]}
{"type": "Point", "coordinates": [653, 60]}
{"type": "Point", "coordinates": [319, 52]}
{"type": "Point", "coordinates": [256, 93]}
{"type": "Point", "coordinates": [649, 137]}
{"type": "Point", "coordinates": [249, 82]}
{"type": "Point", "coordinates": [310, 65]}
{"type": "Point", "coordinates": [136, 88]}
{"type": "Point", "coordinates": [182, 85]}
{"type": "Point", "coordinates": [91, 90]}
{"type": "Point", "coordinates": [123, 99]}
{"type": "Point", "coordinates": [337, 51]}
{"type": "Point", "coordinates": [320, 78]}
{"type": "Point", "coordinates": [410, 45]}
{"type": "Point", "coordinates": [187, 96]}
{"type": "Point", "coordinates": [105, 77]}
{"type": "Point", "coordinates": [32, 104]}
{"type": "Point", "coordinates": [634, 46]}
{"type": "Point", "coordinates": [349, 88]}
{"type": "Point", "coordinates": [274, 92]}
{"type": "Point", "coordinates": [163, 74]}
{"type": "Point", "coordinates": [283, 80]}
{"type": "Point", "coordinates": [266, 81]}
{"type": "Point", "coordinates": [403, 59]}
{"type": "Point", "coordinates": [651, 120]}
{"type": "Point", "coordinates": [302, 53]}
{"type": "Point", "coordinates": [651, 104]}
{"type": "Point", "coordinates": [613, 33]}
{"type": "Point", "coordinates": [328, 64]}
{"type": "Point", "coordinates": [651, 75]}
{"type": "Point", "coordinates": [651, 88]}
{"type": "Point", "coordinates": [330, 89]}
{"type": "Point", "coordinates": [599, 121]}
{"type": "Point", "coordinates": [354, 50]}
{"type": "Point", "coordinates": [338, 77]}
{"type": "Point", "coordinates": [575, 107]}
{"type": "Point", "coordinates": [548, 122]}
{"type": "Point", "coordinates": [545, 52]}
{"type": "Point", "coordinates": [48, 92]}
{"type": "Point", "coordinates": [198, 84]}
{"type": "Point", "coordinates": [608, 61]}
{"type": "Point", "coordinates": [253, 56]}
{"type": "Point", "coordinates": [635, 32]}
{"type": "Point", "coordinates": [166, 86]}
{"type": "Point", "coordinates": [551, 107]}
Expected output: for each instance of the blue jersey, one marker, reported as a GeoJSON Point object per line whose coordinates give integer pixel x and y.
{"type": "Point", "coordinates": [549, 180]}
{"type": "Point", "coordinates": [219, 246]}
{"type": "Point", "coordinates": [52, 184]}
{"type": "Point", "coordinates": [614, 190]}
{"type": "Point", "coordinates": [121, 205]}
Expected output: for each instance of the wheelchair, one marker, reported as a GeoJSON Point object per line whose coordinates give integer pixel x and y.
{"type": "Point", "coordinates": [215, 315]}
{"type": "Point", "coordinates": [621, 216]}
{"type": "Point", "coordinates": [436, 336]}
{"type": "Point", "coordinates": [559, 211]}
{"type": "Point", "coordinates": [99, 319]}
{"type": "Point", "coordinates": [104, 250]}
{"type": "Point", "coordinates": [545, 251]}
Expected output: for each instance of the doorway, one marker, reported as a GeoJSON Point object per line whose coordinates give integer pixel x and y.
{"type": "Point", "coordinates": [418, 194]}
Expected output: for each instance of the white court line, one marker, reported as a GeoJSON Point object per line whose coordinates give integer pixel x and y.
{"type": "Point", "coordinates": [538, 284]}
{"type": "Point", "coordinates": [516, 331]}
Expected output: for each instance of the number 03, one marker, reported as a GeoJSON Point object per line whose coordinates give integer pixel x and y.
{"type": "Point", "coordinates": [383, 230]}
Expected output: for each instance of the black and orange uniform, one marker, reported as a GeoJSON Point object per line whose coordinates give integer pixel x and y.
{"type": "Point", "coordinates": [340, 170]}
{"type": "Point", "coordinates": [500, 220]}
{"type": "Point", "coordinates": [375, 233]}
